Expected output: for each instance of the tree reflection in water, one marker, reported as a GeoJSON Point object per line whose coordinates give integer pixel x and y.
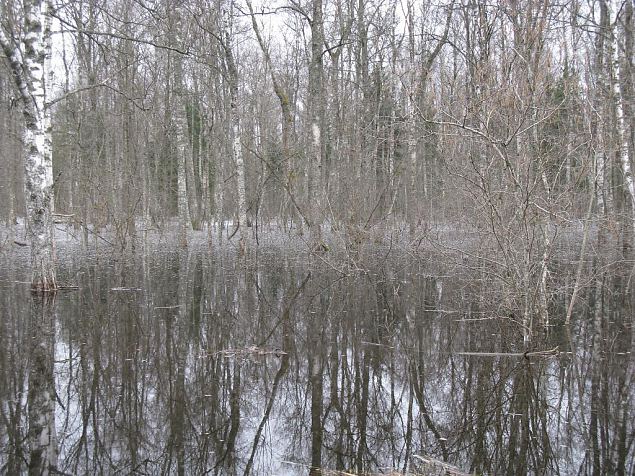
{"type": "Point", "coordinates": [42, 437]}
{"type": "Point", "coordinates": [194, 364]}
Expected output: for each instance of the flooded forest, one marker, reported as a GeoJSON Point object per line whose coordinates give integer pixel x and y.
{"type": "Point", "coordinates": [323, 237]}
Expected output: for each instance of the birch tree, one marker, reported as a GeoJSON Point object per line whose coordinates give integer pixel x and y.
{"type": "Point", "coordinates": [188, 199]}
{"type": "Point", "coordinates": [28, 51]}
{"type": "Point", "coordinates": [618, 83]}
{"type": "Point", "coordinates": [183, 150]}
{"type": "Point", "coordinates": [179, 124]}
{"type": "Point", "coordinates": [226, 41]}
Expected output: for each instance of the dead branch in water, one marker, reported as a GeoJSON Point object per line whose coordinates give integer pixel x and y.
{"type": "Point", "coordinates": [527, 354]}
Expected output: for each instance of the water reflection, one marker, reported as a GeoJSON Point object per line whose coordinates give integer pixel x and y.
{"type": "Point", "coordinates": [42, 438]}
{"type": "Point", "coordinates": [195, 364]}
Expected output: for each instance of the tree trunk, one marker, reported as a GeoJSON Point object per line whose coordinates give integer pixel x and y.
{"type": "Point", "coordinates": [182, 204]}
{"type": "Point", "coordinates": [413, 85]}
{"type": "Point", "coordinates": [183, 149]}
{"type": "Point", "coordinates": [316, 113]}
{"type": "Point", "coordinates": [193, 164]}
{"type": "Point", "coordinates": [237, 153]}
{"type": "Point", "coordinates": [30, 78]}
{"type": "Point", "coordinates": [622, 126]}
{"type": "Point", "coordinates": [601, 95]}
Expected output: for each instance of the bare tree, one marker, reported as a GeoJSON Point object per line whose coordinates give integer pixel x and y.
{"type": "Point", "coordinates": [316, 120]}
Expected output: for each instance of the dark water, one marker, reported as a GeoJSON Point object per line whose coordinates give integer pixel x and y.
{"type": "Point", "coordinates": [197, 364]}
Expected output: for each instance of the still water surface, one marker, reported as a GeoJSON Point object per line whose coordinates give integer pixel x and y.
{"type": "Point", "coordinates": [195, 363]}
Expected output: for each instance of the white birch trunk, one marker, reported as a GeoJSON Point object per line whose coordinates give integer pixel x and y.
{"type": "Point", "coordinates": [218, 204]}
{"type": "Point", "coordinates": [182, 204]}
{"type": "Point", "coordinates": [313, 189]}
{"type": "Point", "coordinates": [411, 202]}
{"type": "Point", "coordinates": [622, 133]}
{"type": "Point", "coordinates": [30, 76]}
{"type": "Point", "coordinates": [600, 157]}
{"type": "Point", "coordinates": [203, 173]}
{"type": "Point", "coordinates": [240, 169]}
{"type": "Point", "coordinates": [182, 150]}
{"type": "Point", "coordinates": [412, 199]}
{"type": "Point", "coordinates": [193, 199]}
{"type": "Point", "coordinates": [237, 154]}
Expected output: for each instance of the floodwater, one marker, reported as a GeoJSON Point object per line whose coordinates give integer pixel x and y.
{"type": "Point", "coordinates": [199, 363]}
